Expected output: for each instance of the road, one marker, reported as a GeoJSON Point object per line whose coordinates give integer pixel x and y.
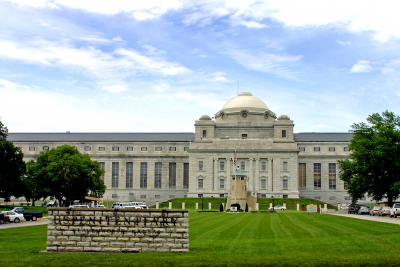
{"type": "Point", "coordinates": [23, 224]}
{"type": "Point", "coordinates": [385, 219]}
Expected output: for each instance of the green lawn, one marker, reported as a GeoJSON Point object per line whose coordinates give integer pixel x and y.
{"type": "Point", "coordinates": [222, 239]}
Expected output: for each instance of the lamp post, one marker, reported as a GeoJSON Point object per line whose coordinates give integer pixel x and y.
{"type": "Point", "coordinates": [202, 201]}
{"type": "Point", "coordinates": [273, 203]}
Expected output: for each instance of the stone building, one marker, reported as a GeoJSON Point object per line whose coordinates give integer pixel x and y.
{"type": "Point", "coordinates": [271, 160]}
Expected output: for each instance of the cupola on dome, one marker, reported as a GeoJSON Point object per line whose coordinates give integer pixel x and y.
{"type": "Point", "coordinates": [205, 118]}
{"type": "Point", "coordinates": [245, 101]}
{"type": "Point", "coordinates": [283, 117]}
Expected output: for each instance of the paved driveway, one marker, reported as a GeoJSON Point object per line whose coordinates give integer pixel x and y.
{"type": "Point", "coordinates": [385, 219]}
{"type": "Point", "coordinates": [23, 224]}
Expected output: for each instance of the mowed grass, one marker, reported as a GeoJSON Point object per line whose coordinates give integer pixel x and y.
{"type": "Point", "coordinates": [284, 238]}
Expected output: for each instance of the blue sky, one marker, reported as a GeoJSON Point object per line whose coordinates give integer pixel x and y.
{"type": "Point", "coordinates": [157, 66]}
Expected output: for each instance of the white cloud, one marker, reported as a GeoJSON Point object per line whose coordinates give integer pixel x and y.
{"type": "Point", "coordinates": [361, 66]}
{"type": "Point", "coordinates": [269, 63]}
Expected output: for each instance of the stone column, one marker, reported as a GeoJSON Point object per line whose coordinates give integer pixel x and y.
{"type": "Point", "coordinates": [270, 204]}
{"type": "Point", "coordinates": [183, 205]}
{"type": "Point", "coordinates": [157, 205]}
{"type": "Point", "coordinates": [257, 206]}
{"type": "Point", "coordinates": [216, 182]}
{"type": "Point", "coordinates": [197, 205]}
{"type": "Point", "coordinates": [251, 177]}
{"type": "Point", "coordinates": [257, 176]}
{"type": "Point", "coordinates": [270, 175]}
{"type": "Point", "coordinates": [228, 174]}
{"type": "Point", "coordinates": [170, 205]}
{"type": "Point", "coordinates": [209, 205]}
{"type": "Point", "coordinates": [298, 206]}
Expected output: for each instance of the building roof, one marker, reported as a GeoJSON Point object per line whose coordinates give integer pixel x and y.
{"type": "Point", "coordinates": [100, 137]}
{"type": "Point", "coordinates": [323, 137]}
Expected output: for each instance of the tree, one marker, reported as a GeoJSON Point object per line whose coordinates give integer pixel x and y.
{"type": "Point", "coordinates": [374, 166]}
{"type": "Point", "coordinates": [12, 167]}
{"type": "Point", "coordinates": [35, 188]}
{"type": "Point", "coordinates": [66, 174]}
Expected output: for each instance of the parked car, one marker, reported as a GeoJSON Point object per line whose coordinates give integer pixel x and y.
{"type": "Point", "coordinates": [28, 215]}
{"type": "Point", "coordinates": [138, 205]}
{"type": "Point", "coordinates": [383, 211]}
{"type": "Point", "coordinates": [374, 211]}
{"type": "Point", "coordinates": [353, 209]}
{"type": "Point", "coordinates": [278, 208]}
{"type": "Point", "coordinates": [52, 204]}
{"type": "Point", "coordinates": [363, 210]}
{"type": "Point", "coordinates": [394, 210]}
{"type": "Point", "coordinates": [99, 206]}
{"type": "Point", "coordinates": [1, 218]}
{"type": "Point", "coordinates": [12, 216]}
{"type": "Point", "coordinates": [122, 206]}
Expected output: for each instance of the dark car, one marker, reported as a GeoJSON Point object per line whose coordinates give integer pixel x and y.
{"type": "Point", "coordinates": [353, 209]}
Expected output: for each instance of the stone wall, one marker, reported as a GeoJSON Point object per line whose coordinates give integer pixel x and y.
{"type": "Point", "coordinates": [125, 230]}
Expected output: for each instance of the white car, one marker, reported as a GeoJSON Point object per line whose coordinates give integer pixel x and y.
{"type": "Point", "coordinates": [395, 210]}
{"type": "Point", "coordinates": [138, 205]}
{"type": "Point", "coordinates": [123, 206]}
{"type": "Point", "coordinates": [79, 206]}
{"type": "Point", "coordinates": [14, 217]}
{"type": "Point", "coordinates": [278, 208]}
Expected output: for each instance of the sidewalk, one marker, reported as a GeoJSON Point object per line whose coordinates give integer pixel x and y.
{"type": "Point", "coordinates": [385, 219]}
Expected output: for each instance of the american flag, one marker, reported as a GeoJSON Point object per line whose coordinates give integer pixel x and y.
{"type": "Point", "coordinates": [234, 158]}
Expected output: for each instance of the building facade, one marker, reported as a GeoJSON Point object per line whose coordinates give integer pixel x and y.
{"type": "Point", "coordinates": [243, 141]}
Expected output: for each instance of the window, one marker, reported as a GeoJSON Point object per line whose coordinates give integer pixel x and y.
{"type": "Point", "coordinates": [317, 197]}
{"type": "Point", "coordinates": [88, 148]}
{"type": "Point", "coordinates": [285, 184]}
{"type": "Point", "coordinates": [201, 166]}
{"type": "Point", "coordinates": [317, 148]}
{"type": "Point", "coordinates": [143, 148]}
{"type": "Point", "coordinates": [221, 183]}
{"type": "Point", "coordinates": [142, 196]}
{"type": "Point", "coordinates": [172, 148]}
{"type": "Point", "coordinates": [45, 148]}
{"type": "Point", "coordinates": [200, 181]}
{"type": "Point", "coordinates": [102, 166]}
{"type": "Point", "coordinates": [244, 136]}
{"type": "Point", "coordinates": [347, 198]}
{"type": "Point", "coordinates": [157, 174]}
{"type": "Point", "coordinates": [331, 149]}
{"type": "Point", "coordinates": [283, 133]}
{"type": "Point", "coordinates": [172, 175]}
{"type": "Point", "coordinates": [129, 174]}
{"type": "Point", "coordinates": [204, 133]}
{"type": "Point", "coordinates": [332, 176]}
{"type": "Point", "coordinates": [332, 198]}
{"type": "Point", "coordinates": [158, 148]}
{"type": "Point", "coordinates": [244, 115]}
{"type": "Point", "coordinates": [185, 175]}
{"type": "Point", "coordinates": [222, 165]}
{"type": "Point", "coordinates": [157, 196]}
{"type": "Point", "coordinates": [346, 148]}
{"type": "Point", "coordinates": [263, 165]}
{"type": "Point", "coordinates": [265, 116]}
{"type": "Point", "coordinates": [143, 174]}
{"type": "Point", "coordinates": [171, 196]}
{"type": "Point", "coordinates": [115, 148]}
{"type": "Point", "coordinates": [263, 184]}
{"type": "Point", "coordinates": [302, 176]}
{"type": "Point", "coordinates": [115, 174]}
{"type": "Point", "coordinates": [129, 148]}
{"type": "Point", "coordinates": [345, 185]}
{"type": "Point", "coordinates": [317, 176]}
{"type": "Point", "coordinates": [31, 148]}
{"type": "Point", "coordinates": [114, 196]}
{"type": "Point", "coordinates": [285, 196]}
{"type": "Point", "coordinates": [285, 166]}
{"type": "Point", "coordinates": [186, 148]}
{"type": "Point", "coordinates": [102, 148]}
{"type": "Point", "coordinates": [199, 195]}
{"type": "Point", "coordinates": [221, 195]}
{"type": "Point", "coordinates": [302, 148]}
{"type": "Point", "coordinates": [242, 165]}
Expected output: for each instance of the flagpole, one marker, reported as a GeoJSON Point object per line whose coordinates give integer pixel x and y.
{"type": "Point", "coordinates": [235, 176]}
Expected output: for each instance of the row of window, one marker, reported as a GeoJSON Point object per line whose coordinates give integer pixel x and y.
{"type": "Point", "coordinates": [143, 174]}
{"type": "Point", "coordinates": [317, 176]}
{"type": "Point", "coordinates": [317, 149]}
{"type": "Point", "coordinates": [242, 166]}
{"type": "Point", "coordinates": [244, 136]}
{"type": "Point", "coordinates": [141, 197]}
{"type": "Point", "coordinates": [263, 183]}
{"type": "Point", "coordinates": [117, 148]}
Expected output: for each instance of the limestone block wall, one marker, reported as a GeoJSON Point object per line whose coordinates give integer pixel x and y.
{"type": "Point", "coordinates": [125, 230]}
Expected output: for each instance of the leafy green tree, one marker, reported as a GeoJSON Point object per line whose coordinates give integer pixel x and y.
{"type": "Point", "coordinates": [35, 188]}
{"type": "Point", "coordinates": [374, 164]}
{"type": "Point", "coordinates": [12, 167]}
{"type": "Point", "coordinates": [66, 174]}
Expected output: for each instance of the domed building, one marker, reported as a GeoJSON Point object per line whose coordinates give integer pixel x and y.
{"type": "Point", "coordinates": [245, 152]}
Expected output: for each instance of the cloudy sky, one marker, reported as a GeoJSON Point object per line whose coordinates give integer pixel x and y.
{"type": "Point", "coordinates": [158, 65]}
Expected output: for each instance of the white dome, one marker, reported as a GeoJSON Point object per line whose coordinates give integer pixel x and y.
{"type": "Point", "coordinates": [245, 101]}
